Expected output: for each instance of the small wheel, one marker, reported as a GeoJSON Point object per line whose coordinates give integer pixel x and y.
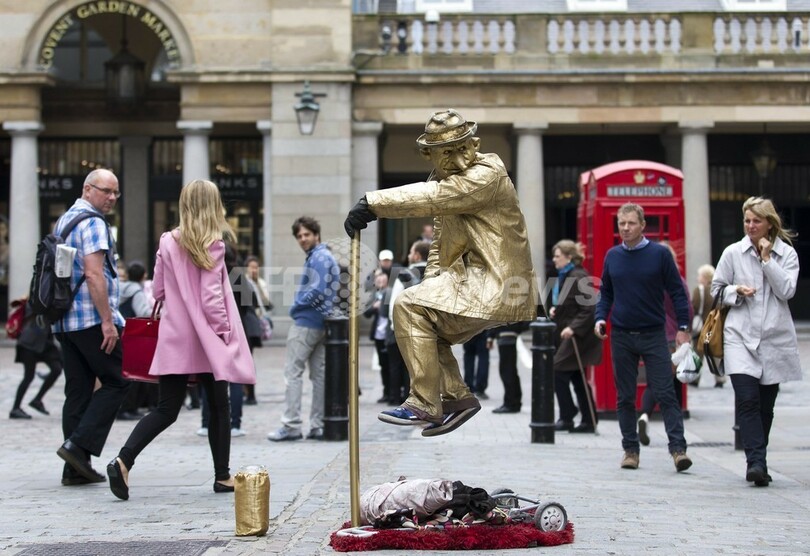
{"type": "Point", "coordinates": [501, 497]}
{"type": "Point", "coordinates": [551, 517]}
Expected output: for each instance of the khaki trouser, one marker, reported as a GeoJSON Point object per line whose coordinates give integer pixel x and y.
{"type": "Point", "coordinates": [425, 337]}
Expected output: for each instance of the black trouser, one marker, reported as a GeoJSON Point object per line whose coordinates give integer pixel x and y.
{"type": "Point", "coordinates": [382, 358]}
{"type": "Point", "coordinates": [29, 359]}
{"type": "Point", "coordinates": [754, 407]}
{"type": "Point", "coordinates": [88, 415]}
{"type": "Point", "coordinates": [141, 394]}
{"type": "Point", "coordinates": [568, 410]}
{"type": "Point", "coordinates": [399, 381]}
{"type": "Point", "coordinates": [172, 395]}
{"type": "Point", "coordinates": [507, 368]}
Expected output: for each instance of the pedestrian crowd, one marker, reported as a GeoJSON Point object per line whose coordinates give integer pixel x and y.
{"type": "Point", "coordinates": [451, 289]}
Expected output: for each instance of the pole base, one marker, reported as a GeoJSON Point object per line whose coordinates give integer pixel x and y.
{"type": "Point", "coordinates": [335, 428]}
{"type": "Point", "coordinates": [542, 433]}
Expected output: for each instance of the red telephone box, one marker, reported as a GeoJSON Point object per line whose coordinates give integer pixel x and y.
{"type": "Point", "coordinates": [659, 190]}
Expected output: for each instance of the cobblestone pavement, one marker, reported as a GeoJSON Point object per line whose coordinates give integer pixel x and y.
{"type": "Point", "coordinates": [172, 510]}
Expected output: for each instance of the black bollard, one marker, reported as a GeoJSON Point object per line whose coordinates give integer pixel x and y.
{"type": "Point", "coordinates": [336, 380]}
{"type": "Point", "coordinates": [542, 424]}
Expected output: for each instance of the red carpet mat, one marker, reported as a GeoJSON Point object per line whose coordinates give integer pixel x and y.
{"type": "Point", "coordinates": [475, 537]}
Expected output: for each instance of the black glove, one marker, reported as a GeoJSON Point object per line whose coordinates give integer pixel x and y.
{"type": "Point", "coordinates": [359, 217]}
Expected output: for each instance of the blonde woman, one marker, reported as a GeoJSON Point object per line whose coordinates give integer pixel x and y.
{"type": "Point", "coordinates": [757, 277]}
{"type": "Point", "coordinates": [200, 333]}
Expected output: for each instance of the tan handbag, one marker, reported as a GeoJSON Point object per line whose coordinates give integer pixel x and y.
{"type": "Point", "coordinates": [710, 343]}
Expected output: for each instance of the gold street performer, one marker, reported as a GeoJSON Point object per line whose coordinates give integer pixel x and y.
{"type": "Point", "coordinates": [479, 273]}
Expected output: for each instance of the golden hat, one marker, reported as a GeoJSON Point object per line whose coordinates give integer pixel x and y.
{"type": "Point", "coordinates": [445, 127]}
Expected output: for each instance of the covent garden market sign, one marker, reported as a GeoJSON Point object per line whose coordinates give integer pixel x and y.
{"type": "Point", "coordinates": [90, 9]}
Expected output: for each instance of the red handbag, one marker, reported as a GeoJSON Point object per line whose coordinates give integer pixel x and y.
{"type": "Point", "coordinates": [138, 343]}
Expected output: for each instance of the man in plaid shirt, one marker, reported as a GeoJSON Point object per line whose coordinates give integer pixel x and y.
{"type": "Point", "coordinates": [89, 333]}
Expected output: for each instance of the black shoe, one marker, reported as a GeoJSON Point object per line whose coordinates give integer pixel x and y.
{"type": "Point", "coordinates": [718, 384]}
{"type": "Point", "coordinates": [75, 457]}
{"type": "Point", "coordinates": [129, 416]}
{"type": "Point", "coordinates": [250, 401]}
{"type": "Point", "coordinates": [756, 474]}
{"type": "Point", "coordinates": [117, 484]}
{"type": "Point", "coordinates": [384, 399]}
{"type": "Point", "coordinates": [584, 427]}
{"type": "Point", "coordinates": [18, 413]}
{"type": "Point", "coordinates": [75, 481]}
{"type": "Point", "coordinates": [506, 409]}
{"type": "Point", "coordinates": [481, 395]}
{"type": "Point", "coordinates": [561, 425]}
{"type": "Point", "coordinates": [39, 406]}
{"type": "Point", "coordinates": [220, 488]}
{"type": "Point", "coordinates": [315, 434]}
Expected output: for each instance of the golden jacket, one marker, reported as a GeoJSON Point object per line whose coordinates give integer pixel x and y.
{"type": "Point", "coordinates": [480, 263]}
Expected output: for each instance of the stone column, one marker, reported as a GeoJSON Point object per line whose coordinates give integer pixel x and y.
{"type": "Point", "coordinates": [529, 183]}
{"type": "Point", "coordinates": [134, 238]}
{"type": "Point", "coordinates": [23, 229]}
{"type": "Point", "coordinates": [697, 221]}
{"type": "Point", "coordinates": [266, 129]}
{"type": "Point", "coordinates": [196, 164]}
{"type": "Point", "coordinates": [366, 171]}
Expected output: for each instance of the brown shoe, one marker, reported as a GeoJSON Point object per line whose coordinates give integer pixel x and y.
{"type": "Point", "coordinates": [682, 461]}
{"type": "Point", "coordinates": [630, 460]}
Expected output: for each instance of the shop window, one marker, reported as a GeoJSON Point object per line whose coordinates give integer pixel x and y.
{"type": "Point", "coordinates": [235, 156]}
{"type": "Point", "coordinates": [167, 157]}
{"type": "Point", "coordinates": [78, 158]}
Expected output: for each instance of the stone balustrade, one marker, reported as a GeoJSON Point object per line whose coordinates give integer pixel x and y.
{"type": "Point", "coordinates": [682, 41]}
{"type": "Point", "coordinates": [612, 36]}
{"type": "Point", "coordinates": [759, 34]}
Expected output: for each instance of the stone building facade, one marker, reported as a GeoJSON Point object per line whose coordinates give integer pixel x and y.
{"type": "Point", "coordinates": [555, 92]}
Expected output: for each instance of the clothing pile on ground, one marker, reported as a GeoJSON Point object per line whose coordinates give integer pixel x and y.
{"type": "Point", "coordinates": [427, 503]}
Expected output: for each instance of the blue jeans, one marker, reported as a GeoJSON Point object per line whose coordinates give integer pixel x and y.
{"type": "Point", "coordinates": [754, 407]}
{"type": "Point", "coordinates": [626, 348]}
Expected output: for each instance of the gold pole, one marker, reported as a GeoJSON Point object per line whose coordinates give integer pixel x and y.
{"type": "Point", "coordinates": [354, 339]}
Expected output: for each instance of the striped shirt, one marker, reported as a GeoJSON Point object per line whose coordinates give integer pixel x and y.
{"type": "Point", "coordinates": [89, 236]}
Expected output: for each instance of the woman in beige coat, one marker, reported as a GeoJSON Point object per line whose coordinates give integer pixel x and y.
{"type": "Point", "coordinates": [756, 277]}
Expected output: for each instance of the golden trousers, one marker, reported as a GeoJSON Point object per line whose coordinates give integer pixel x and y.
{"type": "Point", "coordinates": [425, 336]}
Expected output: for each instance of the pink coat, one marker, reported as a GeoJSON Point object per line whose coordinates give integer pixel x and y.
{"type": "Point", "coordinates": [200, 329]}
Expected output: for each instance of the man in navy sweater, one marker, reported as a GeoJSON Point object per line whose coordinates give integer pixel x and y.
{"type": "Point", "coordinates": [314, 301]}
{"type": "Point", "coordinates": [635, 276]}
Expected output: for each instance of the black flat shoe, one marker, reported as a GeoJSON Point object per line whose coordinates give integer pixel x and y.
{"type": "Point", "coordinates": [583, 427]}
{"type": "Point", "coordinates": [117, 484]}
{"type": "Point", "coordinates": [756, 474]}
{"type": "Point", "coordinates": [220, 488]}
{"type": "Point", "coordinates": [75, 481]}
{"type": "Point", "coordinates": [39, 406]}
{"type": "Point", "coordinates": [506, 409]}
{"type": "Point", "coordinates": [561, 425]}
{"type": "Point", "coordinates": [18, 413]}
{"type": "Point", "coordinates": [77, 458]}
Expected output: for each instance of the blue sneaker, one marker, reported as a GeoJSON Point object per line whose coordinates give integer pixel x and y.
{"type": "Point", "coordinates": [450, 422]}
{"type": "Point", "coordinates": [400, 416]}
